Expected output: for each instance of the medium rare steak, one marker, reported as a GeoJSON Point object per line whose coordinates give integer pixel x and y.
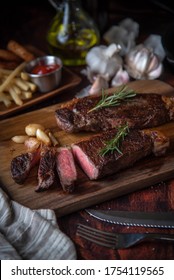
{"type": "Point", "coordinates": [136, 145]}
{"type": "Point", "coordinates": [141, 111]}
{"type": "Point", "coordinates": [46, 170]}
{"type": "Point", "coordinates": [66, 169]}
{"type": "Point", "coordinates": [22, 165]}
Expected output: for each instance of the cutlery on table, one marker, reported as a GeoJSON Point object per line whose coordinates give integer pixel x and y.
{"type": "Point", "coordinates": [119, 240]}
{"type": "Point", "coordinates": [134, 218]}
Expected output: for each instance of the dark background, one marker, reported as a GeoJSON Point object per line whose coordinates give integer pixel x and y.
{"type": "Point", "coordinates": [28, 22]}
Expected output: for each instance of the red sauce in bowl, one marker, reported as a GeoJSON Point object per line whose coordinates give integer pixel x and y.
{"type": "Point", "coordinates": [44, 69]}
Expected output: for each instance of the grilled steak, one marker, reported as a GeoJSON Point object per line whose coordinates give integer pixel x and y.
{"type": "Point", "coordinates": [22, 164]}
{"type": "Point", "coordinates": [46, 171]}
{"type": "Point", "coordinates": [136, 145]}
{"type": "Point", "coordinates": [141, 111]}
{"type": "Point", "coordinates": [66, 169]}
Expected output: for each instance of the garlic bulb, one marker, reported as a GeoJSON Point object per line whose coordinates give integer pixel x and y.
{"type": "Point", "coordinates": [123, 34]}
{"type": "Point", "coordinates": [142, 63]}
{"type": "Point", "coordinates": [154, 42]}
{"type": "Point", "coordinates": [104, 60]}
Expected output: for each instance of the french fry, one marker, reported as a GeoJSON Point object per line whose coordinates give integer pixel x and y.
{"type": "Point", "coordinates": [5, 99]}
{"type": "Point", "coordinates": [15, 97]}
{"type": "Point", "coordinates": [12, 76]}
{"type": "Point", "coordinates": [16, 89]}
{"type": "Point", "coordinates": [24, 76]}
{"type": "Point", "coordinates": [26, 95]}
{"type": "Point", "coordinates": [32, 86]}
{"type": "Point", "coordinates": [21, 84]}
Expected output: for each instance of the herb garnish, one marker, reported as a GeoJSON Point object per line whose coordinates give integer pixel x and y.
{"type": "Point", "coordinates": [114, 144]}
{"type": "Point", "coordinates": [114, 99]}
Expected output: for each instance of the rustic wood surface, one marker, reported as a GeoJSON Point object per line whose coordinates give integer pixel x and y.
{"type": "Point", "coordinates": [35, 16]}
{"type": "Point", "coordinates": [87, 193]}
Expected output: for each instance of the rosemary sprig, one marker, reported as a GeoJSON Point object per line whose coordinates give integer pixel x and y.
{"type": "Point", "coordinates": [114, 144]}
{"type": "Point", "coordinates": [114, 99]}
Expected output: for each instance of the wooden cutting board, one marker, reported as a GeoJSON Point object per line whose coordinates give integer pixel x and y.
{"type": "Point", "coordinates": [146, 172]}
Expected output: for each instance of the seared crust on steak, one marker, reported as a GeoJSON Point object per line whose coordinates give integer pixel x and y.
{"type": "Point", "coordinates": [136, 145]}
{"type": "Point", "coordinates": [46, 171]}
{"type": "Point", "coordinates": [22, 164]}
{"type": "Point", "coordinates": [141, 111]}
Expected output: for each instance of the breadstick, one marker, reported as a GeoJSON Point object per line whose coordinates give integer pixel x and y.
{"type": "Point", "coordinates": [9, 56]}
{"type": "Point", "coordinates": [10, 65]}
{"type": "Point", "coordinates": [19, 50]}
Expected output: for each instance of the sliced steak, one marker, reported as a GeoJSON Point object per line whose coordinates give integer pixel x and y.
{"type": "Point", "coordinates": [136, 145]}
{"type": "Point", "coordinates": [46, 171]}
{"type": "Point", "coordinates": [22, 164]}
{"type": "Point", "coordinates": [66, 169]}
{"type": "Point", "coordinates": [141, 111]}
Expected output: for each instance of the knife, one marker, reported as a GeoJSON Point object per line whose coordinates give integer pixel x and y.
{"type": "Point", "coordinates": [138, 219]}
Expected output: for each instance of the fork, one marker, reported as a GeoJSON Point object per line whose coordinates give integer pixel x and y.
{"type": "Point", "coordinates": [118, 240]}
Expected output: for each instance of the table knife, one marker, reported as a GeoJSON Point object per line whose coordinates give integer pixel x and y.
{"type": "Point", "coordinates": [138, 219]}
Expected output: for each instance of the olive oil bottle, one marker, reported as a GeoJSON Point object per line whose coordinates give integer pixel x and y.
{"type": "Point", "coordinates": [71, 33]}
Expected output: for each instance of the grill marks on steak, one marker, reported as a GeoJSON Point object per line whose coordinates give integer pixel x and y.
{"type": "Point", "coordinates": [51, 160]}
{"type": "Point", "coordinates": [22, 165]}
{"type": "Point", "coordinates": [141, 111]}
{"type": "Point", "coordinates": [66, 169]}
{"type": "Point", "coordinates": [136, 145]}
{"type": "Point", "coordinates": [46, 171]}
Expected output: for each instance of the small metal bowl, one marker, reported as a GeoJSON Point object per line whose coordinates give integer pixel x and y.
{"type": "Point", "coordinates": [49, 81]}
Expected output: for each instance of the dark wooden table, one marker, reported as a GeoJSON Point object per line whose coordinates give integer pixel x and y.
{"type": "Point", "coordinates": [28, 24]}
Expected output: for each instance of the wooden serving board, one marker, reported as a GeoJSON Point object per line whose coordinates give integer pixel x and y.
{"type": "Point", "coordinates": [146, 172]}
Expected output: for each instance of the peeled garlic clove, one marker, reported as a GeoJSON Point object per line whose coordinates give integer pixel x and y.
{"type": "Point", "coordinates": [43, 137]}
{"type": "Point", "coordinates": [19, 139]}
{"type": "Point", "coordinates": [31, 128]}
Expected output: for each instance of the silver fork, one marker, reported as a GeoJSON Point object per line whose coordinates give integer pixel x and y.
{"type": "Point", "coordinates": [118, 240]}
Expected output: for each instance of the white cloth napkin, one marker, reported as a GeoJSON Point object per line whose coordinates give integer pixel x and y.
{"type": "Point", "coordinates": [31, 234]}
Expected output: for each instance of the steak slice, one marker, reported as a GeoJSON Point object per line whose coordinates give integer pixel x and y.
{"type": "Point", "coordinates": [66, 169]}
{"type": "Point", "coordinates": [22, 165]}
{"type": "Point", "coordinates": [141, 111]}
{"type": "Point", "coordinates": [46, 170]}
{"type": "Point", "coordinates": [136, 145]}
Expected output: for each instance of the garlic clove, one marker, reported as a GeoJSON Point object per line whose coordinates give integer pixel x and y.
{"type": "Point", "coordinates": [99, 84]}
{"type": "Point", "coordinates": [155, 73]}
{"type": "Point", "coordinates": [153, 64]}
{"type": "Point", "coordinates": [120, 78]}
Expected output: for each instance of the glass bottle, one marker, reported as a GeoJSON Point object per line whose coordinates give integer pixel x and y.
{"type": "Point", "coordinates": [72, 32]}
